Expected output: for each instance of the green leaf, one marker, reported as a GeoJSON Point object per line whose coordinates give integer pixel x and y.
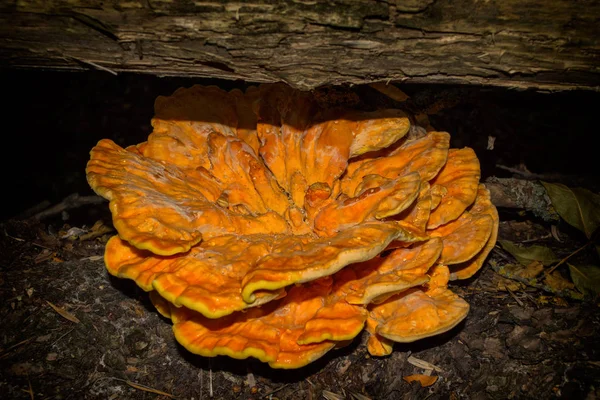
{"type": "Point", "coordinates": [579, 207]}
{"type": "Point", "coordinates": [586, 278]}
{"type": "Point", "coordinates": [525, 255]}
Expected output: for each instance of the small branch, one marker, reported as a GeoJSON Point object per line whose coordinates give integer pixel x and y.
{"type": "Point", "coordinates": [524, 172]}
{"type": "Point", "coordinates": [93, 64]}
{"type": "Point", "coordinates": [514, 296]}
{"type": "Point", "coordinates": [536, 239]}
{"type": "Point", "coordinates": [523, 194]}
{"type": "Point", "coordinates": [275, 390]}
{"type": "Point", "coordinates": [72, 201]}
{"type": "Point", "coordinates": [4, 352]}
{"type": "Point", "coordinates": [561, 262]}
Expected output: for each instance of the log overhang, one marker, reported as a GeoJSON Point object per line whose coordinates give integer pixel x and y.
{"type": "Point", "coordinates": [546, 45]}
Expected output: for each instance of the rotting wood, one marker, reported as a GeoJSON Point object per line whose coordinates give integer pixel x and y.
{"type": "Point", "coordinates": [523, 194]}
{"type": "Point", "coordinates": [547, 45]}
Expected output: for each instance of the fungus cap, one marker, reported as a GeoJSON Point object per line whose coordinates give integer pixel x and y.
{"type": "Point", "coordinates": [329, 219]}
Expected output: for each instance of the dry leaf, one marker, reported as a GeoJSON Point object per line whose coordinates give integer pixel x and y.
{"type": "Point", "coordinates": [332, 396]}
{"type": "Point", "coordinates": [586, 278]}
{"type": "Point", "coordinates": [505, 284]}
{"type": "Point", "coordinates": [557, 283]}
{"type": "Point", "coordinates": [63, 313]}
{"type": "Point", "coordinates": [45, 255]}
{"type": "Point", "coordinates": [73, 233]}
{"type": "Point", "coordinates": [358, 396]}
{"type": "Point", "coordinates": [417, 362]}
{"type": "Point", "coordinates": [579, 207]}
{"type": "Point", "coordinates": [424, 380]}
{"type": "Point", "coordinates": [517, 271]}
{"type": "Point", "coordinates": [97, 230]}
{"type": "Point", "coordinates": [530, 271]}
{"type": "Point", "coordinates": [526, 254]}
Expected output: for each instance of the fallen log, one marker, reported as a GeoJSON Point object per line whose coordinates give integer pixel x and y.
{"type": "Point", "coordinates": [547, 45]}
{"type": "Point", "coordinates": [522, 194]}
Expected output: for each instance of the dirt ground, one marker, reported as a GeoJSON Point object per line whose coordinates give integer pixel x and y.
{"type": "Point", "coordinates": [70, 331]}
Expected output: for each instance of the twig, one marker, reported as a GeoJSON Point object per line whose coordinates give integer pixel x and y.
{"type": "Point", "coordinates": [23, 240]}
{"type": "Point", "coordinates": [3, 353]}
{"type": "Point", "coordinates": [72, 201]}
{"type": "Point", "coordinates": [14, 238]}
{"type": "Point", "coordinates": [519, 302]}
{"type": "Point", "coordinates": [201, 384]}
{"type": "Point", "coordinates": [147, 388]}
{"type": "Point", "coordinates": [554, 233]}
{"type": "Point", "coordinates": [30, 390]}
{"type": "Point", "coordinates": [276, 390]}
{"type": "Point", "coordinates": [531, 299]}
{"type": "Point", "coordinates": [40, 246]}
{"type": "Point", "coordinates": [537, 239]}
{"type": "Point", "coordinates": [523, 172]}
{"type": "Point", "coordinates": [93, 64]}
{"type": "Point", "coordinates": [135, 385]}
{"type": "Point", "coordinates": [33, 210]}
{"type": "Point", "coordinates": [62, 336]}
{"type": "Point", "coordinates": [500, 252]}
{"type": "Point", "coordinates": [566, 258]}
{"type": "Point", "coordinates": [210, 386]}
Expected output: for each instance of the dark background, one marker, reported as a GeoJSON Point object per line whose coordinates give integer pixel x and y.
{"type": "Point", "coordinates": [52, 119]}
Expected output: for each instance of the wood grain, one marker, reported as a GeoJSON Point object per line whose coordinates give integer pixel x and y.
{"type": "Point", "coordinates": [547, 45]}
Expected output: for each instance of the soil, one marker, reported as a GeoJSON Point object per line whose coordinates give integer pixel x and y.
{"type": "Point", "coordinates": [68, 330]}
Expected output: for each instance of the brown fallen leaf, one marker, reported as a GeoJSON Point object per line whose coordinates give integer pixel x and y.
{"type": "Point", "coordinates": [96, 231]}
{"type": "Point", "coordinates": [556, 281]}
{"type": "Point", "coordinates": [579, 207]}
{"type": "Point", "coordinates": [45, 255]}
{"type": "Point", "coordinates": [505, 284]}
{"type": "Point", "coordinates": [424, 380]}
{"type": "Point", "coordinates": [332, 396]}
{"type": "Point", "coordinates": [417, 362]}
{"type": "Point", "coordinates": [63, 313]}
{"type": "Point", "coordinates": [527, 254]}
{"type": "Point", "coordinates": [529, 272]}
{"type": "Point", "coordinates": [586, 278]}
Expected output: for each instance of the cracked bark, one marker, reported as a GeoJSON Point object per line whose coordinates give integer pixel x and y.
{"type": "Point", "coordinates": [547, 45]}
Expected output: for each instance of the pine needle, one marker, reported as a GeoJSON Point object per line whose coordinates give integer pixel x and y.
{"type": "Point", "coordinates": [149, 389]}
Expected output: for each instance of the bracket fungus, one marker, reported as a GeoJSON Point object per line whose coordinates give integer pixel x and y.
{"type": "Point", "coordinates": [266, 225]}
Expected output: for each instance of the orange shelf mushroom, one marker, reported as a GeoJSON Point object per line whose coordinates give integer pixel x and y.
{"type": "Point", "coordinates": [266, 226]}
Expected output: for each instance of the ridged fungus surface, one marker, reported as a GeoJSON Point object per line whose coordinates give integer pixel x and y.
{"type": "Point", "coordinates": [265, 225]}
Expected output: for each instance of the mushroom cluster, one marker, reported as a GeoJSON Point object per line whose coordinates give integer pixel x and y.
{"type": "Point", "coordinates": [266, 225]}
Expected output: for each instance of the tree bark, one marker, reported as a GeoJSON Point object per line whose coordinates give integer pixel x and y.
{"type": "Point", "coordinates": [542, 44]}
{"type": "Point", "coordinates": [522, 194]}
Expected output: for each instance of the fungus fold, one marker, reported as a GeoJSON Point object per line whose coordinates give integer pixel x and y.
{"type": "Point", "coordinates": [266, 225]}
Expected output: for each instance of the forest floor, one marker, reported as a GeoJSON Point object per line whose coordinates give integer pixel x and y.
{"type": "Point", "coordinates": [68, 330]}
